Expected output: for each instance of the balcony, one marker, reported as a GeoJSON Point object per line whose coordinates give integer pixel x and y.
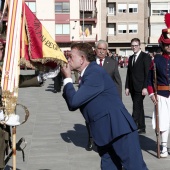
{"type": "Point", "coordinates": [88, 16]}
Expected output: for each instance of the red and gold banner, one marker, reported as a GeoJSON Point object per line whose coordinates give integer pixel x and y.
{"type": "Point", "coordinates": [40, 47]}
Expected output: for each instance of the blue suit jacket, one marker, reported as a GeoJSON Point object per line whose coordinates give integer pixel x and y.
{"type": "Point", "coordinates": [100, 104]}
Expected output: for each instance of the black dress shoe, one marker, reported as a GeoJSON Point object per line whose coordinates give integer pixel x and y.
{"type": "Point", "coordinates": [56, 91]}
{"type": "Point", "coordinates": [90, 145]}
{"type": "Point", "coordinates": [141, 131]}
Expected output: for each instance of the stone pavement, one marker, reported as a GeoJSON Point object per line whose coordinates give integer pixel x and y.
{"type": "Point", "coordinates": [56, 138]}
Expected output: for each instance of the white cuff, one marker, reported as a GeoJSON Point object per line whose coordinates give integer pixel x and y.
{"type": "Point", "coordinates": [67, 80]}
{"type": "Point", "coordinates": [151, 94]}
{"type": "Point", "coordinates": [39, 79]}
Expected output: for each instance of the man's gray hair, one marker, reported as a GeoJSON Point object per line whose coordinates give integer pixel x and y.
{"type": "Point", "coordinates": [102, 42]}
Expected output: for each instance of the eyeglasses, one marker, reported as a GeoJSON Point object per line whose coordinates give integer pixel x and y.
{"type": "Point", "coordinates": [134, 45]}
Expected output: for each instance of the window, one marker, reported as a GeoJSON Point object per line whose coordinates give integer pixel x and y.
{"type": "Point", "coordinates": [133, 28]}
{"type": "Point", "coordinates": [159, 12]}
{"type": "Point", "coordinates": [111, 29]}
{"type": "Point", "coordinates": [111, 9]}
{"type": "Point", "coordinates": [122, 28]}
{"type": "Point", "coordinates": [159, 8]}
{"type": "Point", "coordinates": [122, 8]}
{"type": "Point", "coordinates": [87, 29]}
{"type": "Point", "coordinates": [156, 29]}
{"type": "Point", "coordinates": [62, 29]}
{"type": "Point", "coordinates": [62, 7]}
{"type": "Point", "coordinates": [133, 8]}
{"type": "Point", "coordinates": [32, 6]}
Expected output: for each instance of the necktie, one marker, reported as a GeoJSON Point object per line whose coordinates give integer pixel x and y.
{"type": "Point", "coordinates": [134, 57]}
{"type": "Point", "coordinates": [101, 62]}
{"type": "Point", "coordinates": [79, 79]}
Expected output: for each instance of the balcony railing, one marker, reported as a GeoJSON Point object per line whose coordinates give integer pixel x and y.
{"type": "Point", "coordinates": [88, 15]}
{"type": "Point", "coordinates": [91, 37]}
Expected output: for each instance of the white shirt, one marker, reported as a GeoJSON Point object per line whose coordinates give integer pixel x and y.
{"type": "Point", "coordinates": [137, 54]}
{"type": "Point", "coordinates": [98, 61]}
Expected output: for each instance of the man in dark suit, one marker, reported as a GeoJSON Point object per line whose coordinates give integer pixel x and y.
{"type": "Point", "coordinates": [111, 67]}
{"type": "Point", "coordinates": [112, 127]}
{"type": "Point", "coordinates": [136, 82]}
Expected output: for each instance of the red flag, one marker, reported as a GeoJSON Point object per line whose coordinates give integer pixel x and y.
{"type": "Point", "coordinates": [40, 47]}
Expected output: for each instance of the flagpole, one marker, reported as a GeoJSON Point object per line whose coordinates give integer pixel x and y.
{"type": "Point", "coordinates": [14, 164]}
{"type": "Point", "coordinates": [83, 23]}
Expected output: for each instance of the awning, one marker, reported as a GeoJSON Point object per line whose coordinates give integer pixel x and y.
{"type": "Point", "coordinates": [87, 5]}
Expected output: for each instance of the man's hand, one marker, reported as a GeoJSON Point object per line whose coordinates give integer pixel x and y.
{"type": "Point", "coordinates": [154, 99]}
{"type": "Point", "coordinates": [144, 92]}
{"type": "Point", "coordinates": [127, 92]}
{"type": "Point", "coordinates": [65, 69]}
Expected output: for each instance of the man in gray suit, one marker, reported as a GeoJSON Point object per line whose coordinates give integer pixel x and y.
{"type": "Point", "coordinates": [108, 63]}
{"type": "Point", "coordinates": [111, 67]}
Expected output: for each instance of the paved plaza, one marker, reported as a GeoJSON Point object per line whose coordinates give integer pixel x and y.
{"type": "Point", "coordinates": [56, 138]}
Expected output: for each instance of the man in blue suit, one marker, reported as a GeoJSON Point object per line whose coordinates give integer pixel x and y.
{"type": "Point", "coordinates": [112, 127]}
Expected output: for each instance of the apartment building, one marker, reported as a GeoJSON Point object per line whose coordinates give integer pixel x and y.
{"type": "Point", "coordinates": [67, 20]}
{"type": "Point", "coordinates": [116, 21]}
{"type": "Point", "coordinates": [80, 20]}
{"type": "Point", "coordinates": [157, 9]}
{"type": "Point", "coordinates": [125, 20]}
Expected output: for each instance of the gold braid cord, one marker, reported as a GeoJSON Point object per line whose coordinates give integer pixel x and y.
{"type": "Point", "coordinates": [27, 113]}
{"type": "Point", "coordinates": [10, 103]}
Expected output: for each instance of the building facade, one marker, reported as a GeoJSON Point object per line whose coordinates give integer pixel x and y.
{"type": "Point", "coordinates": [116, 21]}
{"type": "Point", "coordinates": [157, 9]}
{"type": "Point", "coordinates": [125, 20]}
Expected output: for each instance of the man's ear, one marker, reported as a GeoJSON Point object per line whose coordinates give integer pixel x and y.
{"type": "Point", "coordinates": [95, 52]}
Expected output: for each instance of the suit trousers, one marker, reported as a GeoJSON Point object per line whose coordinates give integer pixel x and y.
{"type": "Point", "coordinates": [138, 109]}
{"type": "Point", "coordinates": [58, 82]}
{"type": "Point", "coordinates": [125, 151]}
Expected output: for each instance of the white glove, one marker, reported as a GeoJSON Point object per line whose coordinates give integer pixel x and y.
{"type": "Point", "coordinates": [1, 115]}
{"type": "Point", "coordinates": [52, 73]}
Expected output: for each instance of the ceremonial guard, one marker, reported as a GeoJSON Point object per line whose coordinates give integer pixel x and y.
{"type": "Point", "coordinates": [161, 66]}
